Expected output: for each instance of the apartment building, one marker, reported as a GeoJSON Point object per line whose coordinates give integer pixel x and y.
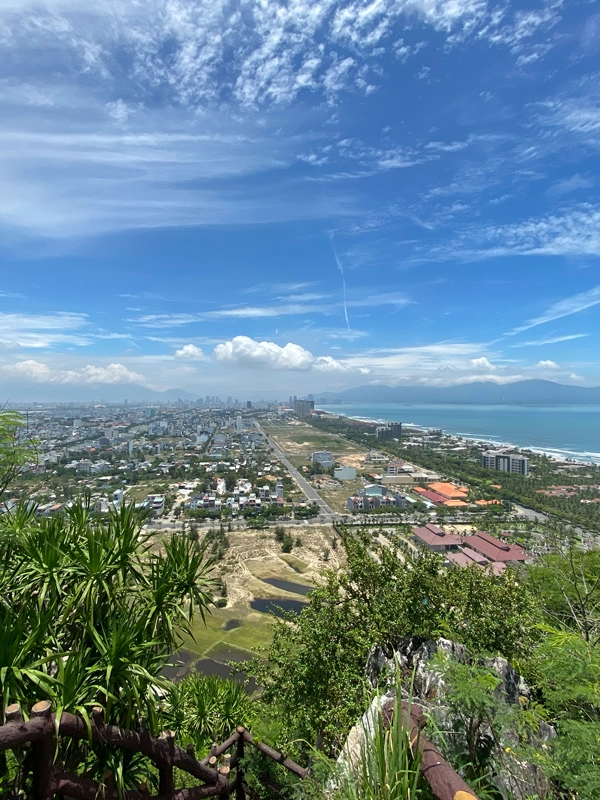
{"type": "Point", "coordinates": [505, 462]}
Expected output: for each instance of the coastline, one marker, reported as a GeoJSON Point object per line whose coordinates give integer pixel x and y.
{"type": "Point", "coordinates": [555, 453]}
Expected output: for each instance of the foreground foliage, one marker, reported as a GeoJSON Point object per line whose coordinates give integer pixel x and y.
{"type": "Point", "coordinates": [89, 615]}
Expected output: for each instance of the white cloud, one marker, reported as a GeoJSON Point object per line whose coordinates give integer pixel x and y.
{"type": "Point", "coordinates": [551, 340]}
{"type": "Point", "coordinates": [564, 308]}
{"type": "Point", "coordinates": [37, 372]}
{"type": "Point", "coordinates": [482, 363]}
{"type": "Point", "coordinates": [190, 351]}
{"type": "Point", "coordinates": [573, 184]}
{"type": "Point", "coordinates": [201, 51]}
{"type": "Point", "coordinates": [42, 330]}
{"type": "Point", "coordinates": [547, 365]}
{"type": "Point", "coordinates": [242, 351]}
{"type": "Point", "coordinates": [306, 304]}
{"type": "Point", "coordinates": [574, 232]}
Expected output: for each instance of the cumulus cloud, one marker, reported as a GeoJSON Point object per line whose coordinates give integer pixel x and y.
{"type": "Point", "coordinates": [37, 372]}
{"type": "Point", "coordinates": [243, 351]}
{"type": "Point", "coordinates": [547, 364]}
{"type": "Point", "coordinates": [482, 363]}
{"type": "Point", "coordinates": [190, 351]}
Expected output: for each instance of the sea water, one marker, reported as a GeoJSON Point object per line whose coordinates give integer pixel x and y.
{"type": "Point", "coordinates": [561, 431]}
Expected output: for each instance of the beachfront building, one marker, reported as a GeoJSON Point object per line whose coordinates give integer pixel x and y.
{"type": "Point", "coordinates": [303, 408]}
{"type": "Point", "coordinates": [392, 430]}
{"type": "Point", "coordinates": [505, 462]}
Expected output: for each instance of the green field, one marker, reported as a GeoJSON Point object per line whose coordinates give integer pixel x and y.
{"type": "Point", "coordinates": [255, 631]}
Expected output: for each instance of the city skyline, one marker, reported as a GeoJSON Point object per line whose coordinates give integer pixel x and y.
{"type": "Point", "coordinates": [297, 197]}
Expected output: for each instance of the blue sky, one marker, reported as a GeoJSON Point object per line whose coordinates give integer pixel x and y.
{"type": "Point", "coordinates": [269, 197]}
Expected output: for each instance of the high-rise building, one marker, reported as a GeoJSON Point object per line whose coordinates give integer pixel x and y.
{"type": "Point", "coordinates": [239, 425]}
{"type": "Point", "coordinates": [505, 462]}
{"type": "Point", "coordinates": [248, 403]}
{"type": "Point", "coordinates": [393, 430]}
{"type": "Point", "coordinates": [304, 408]}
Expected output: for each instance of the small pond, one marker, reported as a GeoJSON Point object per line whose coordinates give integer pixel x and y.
{"type": "Point", "coordinates": [289, 586]}
{"type": "Point", "coordinates": [208, 666]}
{"type": "Point", "coordinates": [276, 604]}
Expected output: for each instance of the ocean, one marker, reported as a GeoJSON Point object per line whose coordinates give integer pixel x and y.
{"type": "Point", "coordinates": [561, 431]}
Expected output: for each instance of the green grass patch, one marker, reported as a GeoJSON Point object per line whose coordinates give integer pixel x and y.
{"type": "Point", "coordinates": [295, 563]}
{"type": "Point", "coordinates": [254, 631]}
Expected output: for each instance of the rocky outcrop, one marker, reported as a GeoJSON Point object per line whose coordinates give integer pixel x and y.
{"type": "Point", "coordinates": [509, 740]}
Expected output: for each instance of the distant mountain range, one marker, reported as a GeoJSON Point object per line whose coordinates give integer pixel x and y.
{"type": "Point", "coordinates": [521, 392]}
{"type": "Point", "coordinates": [110, 393]}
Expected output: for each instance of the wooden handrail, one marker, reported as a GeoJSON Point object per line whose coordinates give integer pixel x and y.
{"type": "Point", "coordinates": [42, 728]}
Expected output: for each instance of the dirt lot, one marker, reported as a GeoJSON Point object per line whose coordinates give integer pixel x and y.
{"type": "Point", "coordinates": [355, 460]}
{"type": "Point", "coordinates": [337, 498]}
{"type": "Point", "coordinates": [301, 439]}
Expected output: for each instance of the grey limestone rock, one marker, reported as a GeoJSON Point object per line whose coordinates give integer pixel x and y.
{"type": "Point", "coordinates": [515, 775]}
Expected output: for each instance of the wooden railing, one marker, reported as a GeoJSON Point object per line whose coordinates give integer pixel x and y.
{"type": "Point", "coordinates": [220, 773]}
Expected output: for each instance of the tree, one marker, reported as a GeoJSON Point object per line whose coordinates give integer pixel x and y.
{"type": "Point", "coordinates": [17, 450]}
{"type": "Point", "coordinates": [279, 533]}
{"type": "Point", "coordinates": [568, 581]}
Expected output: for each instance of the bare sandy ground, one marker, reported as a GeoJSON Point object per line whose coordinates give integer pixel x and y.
{"type": "Point", "coordinates": [254, 555]}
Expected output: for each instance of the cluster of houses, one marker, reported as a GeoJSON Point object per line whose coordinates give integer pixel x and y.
{"type": "Point", "coordinates": [242, 497]}
{"type": "Point", "coordinates": [479, 548]}
{"type": "Point", "coordinates": [373, 496]}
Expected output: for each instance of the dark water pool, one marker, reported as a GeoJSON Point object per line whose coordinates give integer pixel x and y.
{"type": "Point", "coordinates": [289, 586]}
{"type": "Point", "coordinates": [208, 666]}
{"type": "Point", "coordinates": [276, 604]}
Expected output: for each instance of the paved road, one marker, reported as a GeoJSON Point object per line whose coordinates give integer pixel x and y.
{"type": "Point", "coordinates": [311, 493]}
{"type": "Point", "coordinates": [529, 513]}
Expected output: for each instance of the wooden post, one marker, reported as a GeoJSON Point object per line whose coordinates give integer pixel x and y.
{"type": "Point", "coordinates": [239, 789]}
{"type": "Point", "coordinates": [13, 713]}
{"type": "Point", "coordinates": [165, 773]}
{"type": "Point", "coordinates": [225, 790]}
{"type": "Point", "coordinates": [41, 756]}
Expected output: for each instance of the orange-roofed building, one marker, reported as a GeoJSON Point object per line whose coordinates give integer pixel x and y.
{"type": "Point", "coordinates": [488, 502]}
{"type": "Point", "coordinates": [449, 490]}
{"type": "Point", "coordinates": [455, 503]}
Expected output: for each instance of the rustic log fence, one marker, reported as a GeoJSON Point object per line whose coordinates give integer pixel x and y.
{"type": "Point", "coordinates": [217, 777]}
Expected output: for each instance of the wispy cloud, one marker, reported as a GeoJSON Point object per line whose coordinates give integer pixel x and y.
{"type": "Point", "coordinates": [551, 340]}
{"type": "Point", "coordinates": [574, 231]}
{"type": "Point", "coordinates": [563, 308]}
{"type": "Point", "coordinates": [43, 330]}
{"type": "Point", "coordinates": [393, 299]}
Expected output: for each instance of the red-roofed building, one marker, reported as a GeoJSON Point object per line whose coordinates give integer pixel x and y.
{"type": "Point", "coordinates": [460, 559]}
{"type": "Point", "coordinates": [433, 497]}
{"type": "Point", "coordinates": [476, 557]}
{"type": "Point", "coordinates": [493, 549]}
{"type": "Point", "coordinates": [436, 539]}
